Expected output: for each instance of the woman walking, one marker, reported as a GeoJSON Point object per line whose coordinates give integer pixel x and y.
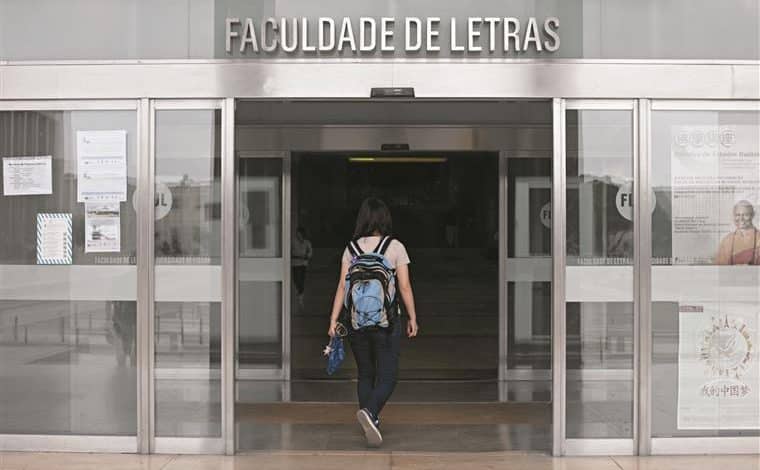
{"type": "Point", "coordinates": [375, 343]}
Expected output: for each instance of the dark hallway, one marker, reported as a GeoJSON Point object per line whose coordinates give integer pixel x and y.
{"type": "Point", "coordinates": [444, 209]}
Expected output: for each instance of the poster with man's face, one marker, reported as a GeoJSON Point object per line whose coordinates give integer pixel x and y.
{"type": "Point", "coordinates": [715, 181]}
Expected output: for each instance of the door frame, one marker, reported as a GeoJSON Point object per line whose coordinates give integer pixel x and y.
{"type": "Point", "coordinates": [502, 373]}
{"type": "Point", "coordinates": [587, 446]}
{"type": "Point", "coordinates": [509, 269]}
{"type": "Point", "coordinates": [649, 444]}
{"type": "Point", "coordinates": [503, 219]}
{"type": "Point", "coordinates": [188, 445]}
{"type": "Point", "coordinates": [282, 373]}
{"type": "Point", "coordinates": [100, 443]}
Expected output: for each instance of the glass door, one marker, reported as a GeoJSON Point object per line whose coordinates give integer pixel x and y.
{"type": "Point", "coordinates": [705, 277]}
{"type": "Point", "coordinates": [68, 276]}
{"type": "Point", "coordinates": [187, 147]}
{"type": "Point", "coordinates": [262, 337]}
{"type": "Point", "coordinates": [597, 314]}
{"type": "Point", "coordinates": [262, 324]}
{"type": "Point", "coordinates": [527, 230]}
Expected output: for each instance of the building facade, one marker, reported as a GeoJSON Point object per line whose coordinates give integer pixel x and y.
{"type": "Point", "coordinates": [150, 192]}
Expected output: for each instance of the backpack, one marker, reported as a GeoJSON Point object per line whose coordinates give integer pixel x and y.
{"type": "Point", "coordinates": [370, 292]}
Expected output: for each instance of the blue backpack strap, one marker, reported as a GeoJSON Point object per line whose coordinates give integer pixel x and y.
{"type": "Point", "coordinates": [353, 248]}
{"type": "Point", "coordinates": [382, 247]}
{"type": "Point", "coordinates": [391, 305]}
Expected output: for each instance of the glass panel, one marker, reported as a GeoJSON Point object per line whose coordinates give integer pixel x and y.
{"type": "Point", "coordinates": [705, 273]}
{"type": "Point", "coordinates": [260, 204]}
{"type": "Point", "coordinates": [259, 342]}
{"type": "Point", "coordinates": [529, 274]}
{"type": "Point", "coordinates": [599, 274]}
{"type": "Point", "coordinates": [188, 273]}
{"type": "Point", "coordinates": [67, 332]}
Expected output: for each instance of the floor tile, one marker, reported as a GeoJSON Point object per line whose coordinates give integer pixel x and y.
{"type": "Point", "coordinates": [397, 437]}
{"type": "Point", "coordinates": [284, 437]}
{"type": "Point", "coordinates": [584, 463]}
{"type": "Point", "coordinates": [691, 462]}
{"type": "Point", "coordinates": [13, 460]}
{"type": "Point", "coordinates": [502, 461]}
{"type": "Point", "coordinates": [206, 462]}
{"type": "Point", "coordinates": [285, 461]}
{"type": "Point", "coordinates": [381, 459]}
{"type": "Point", "coordinates": [78, 461]}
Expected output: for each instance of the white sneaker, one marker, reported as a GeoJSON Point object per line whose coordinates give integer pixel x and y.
{"type": "Point", "coordinates": [367, 422]}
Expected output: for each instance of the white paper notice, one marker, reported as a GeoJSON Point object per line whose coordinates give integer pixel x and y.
{"type": "Point", "coordinates": [718, 379]}
{"type": "Point", "coordinates": [102, 166]}
{"type": "Point", "coordinates": [102, 228]}
{"type": "Point", "coordinates": [27, 176]}
{"type": "Point", "coordinates": [53, 238]}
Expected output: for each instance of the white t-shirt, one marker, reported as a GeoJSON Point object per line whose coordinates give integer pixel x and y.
{"type": "Point", "coordinates": [396, 252]}
{"type": "Point", "coordinates": [300, 252]}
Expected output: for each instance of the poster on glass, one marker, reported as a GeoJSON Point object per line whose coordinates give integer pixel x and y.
{"type": "Point", "coordinates": [715, 179]}
{"type": "Point", "coordinates": [28, 176]}
{"type": "Point", "coordinates": [54, 239]}
{"type": "Point", "coordinates": [101, 166]}
{"type": "Point", "coordinates": [102, 228]}
{"type": "Point", "coordinates": [718, 369]}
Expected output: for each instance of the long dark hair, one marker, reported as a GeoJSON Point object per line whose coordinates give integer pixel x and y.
{"type": "Point", "coordinates": [374, 216]}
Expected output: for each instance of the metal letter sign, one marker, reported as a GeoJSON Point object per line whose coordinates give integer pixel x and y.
{"type": "Point", "coordinates": [474, 35]}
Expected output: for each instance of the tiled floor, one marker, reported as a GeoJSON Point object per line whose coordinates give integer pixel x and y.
{"type": "Point", "coordinates": [432, 427]}
{"type": "Point", "coordinates": [368, 461]}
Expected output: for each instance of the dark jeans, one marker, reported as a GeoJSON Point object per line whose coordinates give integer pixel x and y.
{"type": "Point", "coordinates": [299, 278]}
{"type": "Point", "coordinates": [377, 355]}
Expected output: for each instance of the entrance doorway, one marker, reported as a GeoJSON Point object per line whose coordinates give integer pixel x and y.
{"type": "Point", "coordinates": [463, 189]}
{"type": "Point", "coordinates": [445, 211]}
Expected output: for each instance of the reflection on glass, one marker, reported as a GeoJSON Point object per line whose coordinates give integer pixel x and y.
{"type": "Point", "coordinates": [66, 366]}
{"type": "Point", "coordinates": [529, 220]}
{"type": "Point", "coordinates": [188, 187]}
{"type": "Point", "coordinates": [188, 360]}
{"type": "Point", "coordinates": [599, 188]}
{"type": "Point", "coordinates": [260, 324]}
{"type": "Point", "coordinates": [260, 207]}
{"type": "Point", "coordinates": [599, 305]}
{"type": "Point", "coordinates": [187, 277]}
{"type": "Point", "coordinates": [259, 343]}
{"type": "Point", "coordinates": [706, 275]}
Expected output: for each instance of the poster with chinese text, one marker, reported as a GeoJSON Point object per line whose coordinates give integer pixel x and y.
{"type": "Point", "coordinates": [718, 379]}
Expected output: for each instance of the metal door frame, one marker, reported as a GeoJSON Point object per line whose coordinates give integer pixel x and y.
{"type": "Point", "coordinates": [413, 129]}
{"type": "Point", "coordinates": [585, 446]}
{"type": "Point", "coordinates": [99, 443]}
{"type": "Point", "coordinates": [144, 442]}
{"type": "Point", "coordinates": [503, 219]}
{"type": "Point", "coordinates": [559, 325]}
{"type": "Point", "coordinates": [506, 375]}
{"type": "Point", "coordinates": [190, 445]}
{"type": "Point", "coordinates": [283, 372]}
{"type": "Point", "coordinates": [648, 444]}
